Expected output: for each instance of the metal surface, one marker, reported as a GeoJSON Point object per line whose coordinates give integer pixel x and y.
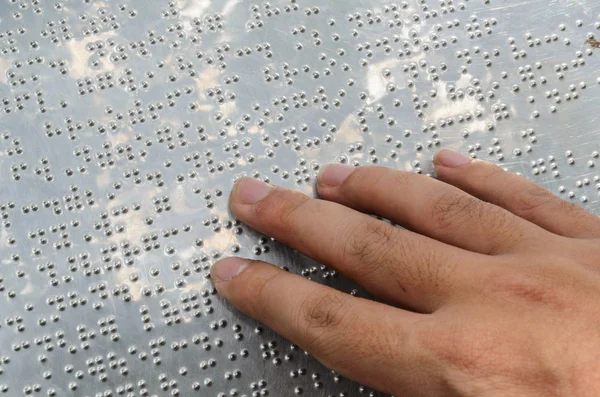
{"type": "Point", "coordinates": [123, 125]}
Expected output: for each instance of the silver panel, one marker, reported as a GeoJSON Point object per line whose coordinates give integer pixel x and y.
{"type": "Point", "coordinates": [123, 125]}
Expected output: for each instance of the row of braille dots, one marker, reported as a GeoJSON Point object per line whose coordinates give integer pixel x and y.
{"type": "Point", "coordinates": [555, 97]}
{"type": "Point", "coordinates": [51, 273]}
{"type": "Point", "coordinates": [296, 100]}
{"type": "Point", "coordinates": [562, 27]}
{"type": "Point", "coordinates": [158, 288]}
{"type": "Point", "coordinates": [43, 171]}
{"type": "Point", "coordinates": [494, 150]}
{"type": "Point", "coordinates": [199, 262]}
{"type": "Point", "coordinates": [48, 343]}
{"type": "Point", "coordinates": [16, 148]}
{"type": "Point", "coordinates": [173, 314]}
{"type": "Point", "coordinates": [320, 100]}
{"type": "Point", "coordinates": [315, 376]}
{"type": "Point", "coordinates": [289, 134]}
{"type": "Point", "coordinates": [72, 126]}
{"type": "Point", "coordinates": [358, 147]}
{"type": "Point", "coordinates": [107, 258]}
{"type": "Point", "coordinates": [209, 59]}
{"type": "Point", "coordinates": [10, 47]}
{"type": "Point", "coordinates": [371, 18]}
{"type": "Point", "coordinates": [291, 137]}
{"type": "Point", "coordinates": [20, 101]}
{"type": "Point", "coordinates": [258, 388]}
{"type": "Point", "coordinates": [15, 79]}
{"type": "Point", "coordinates": [94, 366]}
{"type": "Point", "coordinates": [322, 270]}
{"type": "Point", "coordinates": [57, 6]}
{"type": "Point", "coordinates": [36, 251]}
{"type": "Point", "coordinates": [59, 303]}
{"type": "Point", "coordinates": [256, 21]}
{"type": "Point", "coordinates": [104, 80]}
{"type": "Point", "coordinates": [373, 159]}
{"type": "Point", "coordinates": [262, 247]}
{"type": "Point", "coordinates": [189, 304]}
{"type": "Point", "coordinates": [106, 224]}
{"type": "Point", "coordinates": [55, 31]}
{"type": "Point", "coordinates": [580, 183]}
{"type": "Point", "coordinates": [127, 250]}
{"type": "Point", "coordinates": [318, 384]}
{"type": "Point", "coordinates": [121, 291]}
{"type": "Point", "coordinates": [534, 41]}
{"type": "Point", "coordinates": [548, 39]}
{"type": "Point", "coordinates": [201, 340]}
{"type": "Point", "coordinates": [108, 21]}
{"type": "Point", "coordinates": [446, 8]}
{"type": "Point", "coordinates": [301, 174]}
{"type": "Point", "coordinates": [211, 23]}
{"type": "Point", "coordinates": [517, 54]}
{"type": "Point", "coordinates": [271, 352]}
{"type": "Point", "coordinates": [466, 55]}
{"type": "Point", "coordinates": [406, 46]}
{"type": "Point", "coordinates": [575, 63]}
{"type": "Point", "coordinates": [108, 158]}
{"type": "Point", "coordinates": [420, 105]}
{"type": "Point", "coordinates": [316, 39]}
{"type": "Point", "coordinates": [171, 12]}
{"type": "Point", "coordinates": [107, 80]}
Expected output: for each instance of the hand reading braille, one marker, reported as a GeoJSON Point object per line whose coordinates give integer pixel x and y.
{"type": "Point", "coordinates": [491, 289]}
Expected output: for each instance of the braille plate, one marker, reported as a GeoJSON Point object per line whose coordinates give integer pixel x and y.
{"type": "Point", "coordinates": [123, 125]}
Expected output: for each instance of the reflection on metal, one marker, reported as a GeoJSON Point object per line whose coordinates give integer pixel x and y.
{"type": "Point", "coordinates": [124, 124]}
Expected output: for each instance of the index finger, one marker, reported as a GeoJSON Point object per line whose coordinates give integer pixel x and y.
{"type": "Point", "coordinates": [360, 339]}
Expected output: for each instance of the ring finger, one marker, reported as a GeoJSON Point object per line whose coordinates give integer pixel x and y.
{"type": "Point", "coordinates": [429, 207]}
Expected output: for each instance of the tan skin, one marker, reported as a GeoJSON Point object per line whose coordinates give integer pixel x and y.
{"type": "Point", "coordinates": [492, 288]}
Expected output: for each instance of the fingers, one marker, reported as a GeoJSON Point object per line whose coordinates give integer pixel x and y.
{"type": "Point", "coordinates": [358, 338]}
{"type": "Point", "coordinates": [427, 206]}
{"type": "Point", "coordinates": [516, 194]}
{"type": "Point", "coordinates": [399, 266]}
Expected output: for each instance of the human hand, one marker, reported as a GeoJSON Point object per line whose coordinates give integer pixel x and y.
{"type": "Point", "coordinates": [493, 289]}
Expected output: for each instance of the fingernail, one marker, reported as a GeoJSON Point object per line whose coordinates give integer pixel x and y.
{"type": "Point", "coordinates": [251, 191]}
{"type": "Point", "coordinates": [334, 174]}
{"type": "Point", "coordinates": [450, 158]}
{"type": "Point", "coordinates": [226, 269]}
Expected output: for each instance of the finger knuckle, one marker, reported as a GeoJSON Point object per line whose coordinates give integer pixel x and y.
{"type": "Point", "coordinates": [565, 207]}
{"type": "Point", "coordinates": [375, 178]}
{"type": "Point", "coordinates": [529, 288]}
{"type": "Point", "coordinates": [503, 225]}
{"type": "Point", "coordinates": [370, 245]}
{"type": "Point", "coordinates": [400, 178]}
{"type": "Point", "coordinates": [323, 310]}
{"type": "Point", "coordinates": [449, 211]}
{"type": "Point", "coordinates": [532, 200]}
{"type": "Point", "coordinates": [370, 177]}
{"type": "Point", "coordinates": [260, 290]}
{"type": "Point", "coordinates": [487, 170]}
{"type": "Point", "coordinates": [429, 269]}
{"type": "Point", "coordinates": [279, 208]}
{"type": "Point", "coordinates": [473, 350]}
